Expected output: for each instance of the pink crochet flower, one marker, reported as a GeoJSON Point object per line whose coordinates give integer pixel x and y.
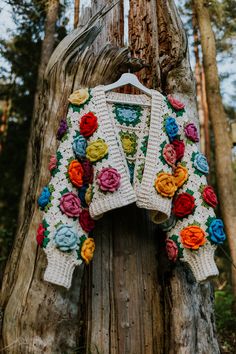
{"type": "Point", "coordinates": [169, 154]}
{"type": "Point", "coordinates": [172, 250]}
{"type": "Point", "coordinates": [108, 179]}
{"type": "Point", "coordinates": [52, 163]}
{"type": "Point", "coordinates": [70, 205]}
{"type": "Point", "coordinates": [175, 103]}
{"type": "Point", "coordinates": [191, 132]}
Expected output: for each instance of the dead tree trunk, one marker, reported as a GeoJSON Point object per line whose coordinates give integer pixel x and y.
{"type": "Point", "coordinates": [221, 129]}
{"type": "Point", "coordinates": [129, 302]}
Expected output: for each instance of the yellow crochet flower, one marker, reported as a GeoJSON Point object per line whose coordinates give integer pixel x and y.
{"type": "Point", "coordinates": [78, 97]}
{"type": "Point", "coordinates": [180, 175]}
{"type": "Point", "coordinates": [165, 184]}
{"type": "Point", "coordinates": [96, 150]}
{"type": "Point", "coordinates": [87, 250]}
{"type": "Point", "coordinates": [89, 194]}
{"type": "Point", "coordinates": [129, 142]}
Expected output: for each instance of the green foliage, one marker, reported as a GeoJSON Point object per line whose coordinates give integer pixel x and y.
{"type": "Point", "coordinates": [225, 319]}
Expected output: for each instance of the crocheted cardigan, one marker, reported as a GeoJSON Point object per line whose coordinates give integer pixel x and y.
{"type": "Point", "coordinates": [116, 149]}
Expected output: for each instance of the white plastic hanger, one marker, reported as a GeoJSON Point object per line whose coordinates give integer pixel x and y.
{"type": "Point", "coordinates": [128, 79]}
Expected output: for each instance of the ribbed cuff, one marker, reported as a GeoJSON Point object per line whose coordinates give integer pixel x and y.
{"type": "Point", "coordinates": [60, 267]}
{"type": "Point", "coordinates": [202, 262]}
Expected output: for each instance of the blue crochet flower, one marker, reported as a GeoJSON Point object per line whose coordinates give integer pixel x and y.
{"type": "Point", "coordinates": [171, 127]}
{"type": "Point", "coordinates": [66, 238]}
{"type": "Point", "coordinates": [81, 195]}
{"type": "Point", "coordinates": [79, 146]}
{"type": "Point", "coordinates": [200, 162]}
{"type": "Point", "coordinates": [216, 231]}
{"type": "Point", "coordinates": [44, 197]}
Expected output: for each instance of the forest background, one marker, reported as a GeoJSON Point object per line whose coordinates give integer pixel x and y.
{"type": "Point", "coordinates": [22, 26]}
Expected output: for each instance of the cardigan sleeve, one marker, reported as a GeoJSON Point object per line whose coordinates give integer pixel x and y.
{"type": "Point", "coordinates": [65, 233]}
{"type": "Point", "coordinates": [193, 230]}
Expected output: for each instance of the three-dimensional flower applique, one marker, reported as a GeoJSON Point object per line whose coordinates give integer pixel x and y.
{"type": "Point", "coordinates": [88, 124]}
{"type": "Point", "coordinates": [129, 143]}
{"type": "Point", "coordinates": [87, 250]}
{"type": "Point", "coordinates": [180, 175]}
{"type": "Point", "coordinates": [216, 231]}
{"type": "Point", "coordinates": [79, 97]}
{"type": "Point", "coordinates": [209, 196]}
{"type": "Point", "coordinates": [89, 194]}
{"type": "Point", "coordinates": [79, 146]}
{"type": "Point", "coordinates": [88, 172]}
{"type": "Point", "coordinates": [85, 220]}
{"type": "Point", "coordinates": [171, 128]}
{"type": "Point", "coordinates": [96, 150]}
{"type": "Point", "coordinates": [52, 163]}
{"type": "Point", "coordinates": [192, 237]}
{"type": "Point", "coordinates": [191, 132]}
{"type": "Point", "coordinates": [75, 172]}
{"type": "Point", "coordinates": [183, 205]}
{"type": "Point", "coordinates": [70, 205]}
{"type": "Point", "coordinates": [62, 129]}
{"type": "Point", "coordinates": [176, 104]}
{"type": "Point", "coordinates": [200, 163]}
{"type": "Point", "coordinates": [165, 184]}
{"type": "Point", "coordinates": [108, 179]}
{"type": "Point", "coordinates": [40, 235]}
{"type": "Point", "coordinates": [171, 250]}
{"type": "Point", "coordinates": [169, 154]}
{"type": "Point", "coordinates": [44, 197]}
{"type": "Point", "coordinates": [66, 238]}
{"type": "Point", "coordinates": [179, 148]}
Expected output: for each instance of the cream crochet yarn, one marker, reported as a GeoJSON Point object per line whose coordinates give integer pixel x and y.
{"type": "Point", "coordinates": [116, 149]}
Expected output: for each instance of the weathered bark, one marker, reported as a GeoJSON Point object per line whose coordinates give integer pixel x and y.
{"type": "Point", "coordinates": [76, 12]}
{"type": "Point", "coordinates": [130, 301]}
{"type": "Point", "coordinates": [223, 144]}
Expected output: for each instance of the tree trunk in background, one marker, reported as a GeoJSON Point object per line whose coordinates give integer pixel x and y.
{"type": "Point", "coordinates": [128, 301]}
{"type": "Point", "coordinates": [76, 12]}
{"type": "Point", "coordinates": [223, 144]}
{"type": "Point", "coordinates": [201, 92]}
{"type": "Point", "coordinates": [48, 45]}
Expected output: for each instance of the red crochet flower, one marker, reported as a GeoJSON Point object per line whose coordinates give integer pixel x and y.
{"type": "Point", "coordinates": [88, 172]}
{"type": "Point", "coordinates": [209, 196]}
{"type": "Point", "coordinates": [40, 235]}
{"type": "Point", "coordinates": [86, 222]}
{"type": "Point", "coordinates": [179, 148]}
{"type": "Point", "coordinates": [88, 124]}
{"type": "Point", "coordinates": [183, 205]}
{"type": "Point", "coordinates": [176, 104]}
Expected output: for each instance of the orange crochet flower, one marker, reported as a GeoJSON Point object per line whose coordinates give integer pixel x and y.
{"type": "Point", "coordinates": [76, 172]}
{"type": "Point", "coordinates": [192, 237]}
{"type": "Point", "coordinates": [165, 184]}
{"type": "Point", "coordinates": [87, 250]}
{"type": "Point", "coordinates": [180, 175]}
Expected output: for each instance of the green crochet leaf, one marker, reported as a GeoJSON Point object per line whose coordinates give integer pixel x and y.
{"type": "Point", "coordinates": [175, 238]}
{"type": "Point", "coordinates": [54, 171]}
{"type": "Point", "coordinates": [59, 155]}
{"type": "Point", "coordinates": [45, 242]}
{"type": "Point", "coordinates": [64, 191]}
{"type": "Point", "coordinates": [65, 137]}
{"type": "Point", "coordinates": [51, 188]}
{"type": "Point", "coordinates": [140, 170]}
{"type": "Point", "coordinates": [46, 233]}
{"type": "Point", "coordinates": [45, 224]}
{"type": "Point", "coordinates": [77, 133]}
{"type": "Point", "coordinates": [68, 120]}
{"type": "Point", "coordinates": [189, 192]}
{"type": "Point", "coordinates": [144, 145]}
{"type": "Point", "coordinates": [209, 221]}
{"type": "Point", "coordinates": [180, 112]}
